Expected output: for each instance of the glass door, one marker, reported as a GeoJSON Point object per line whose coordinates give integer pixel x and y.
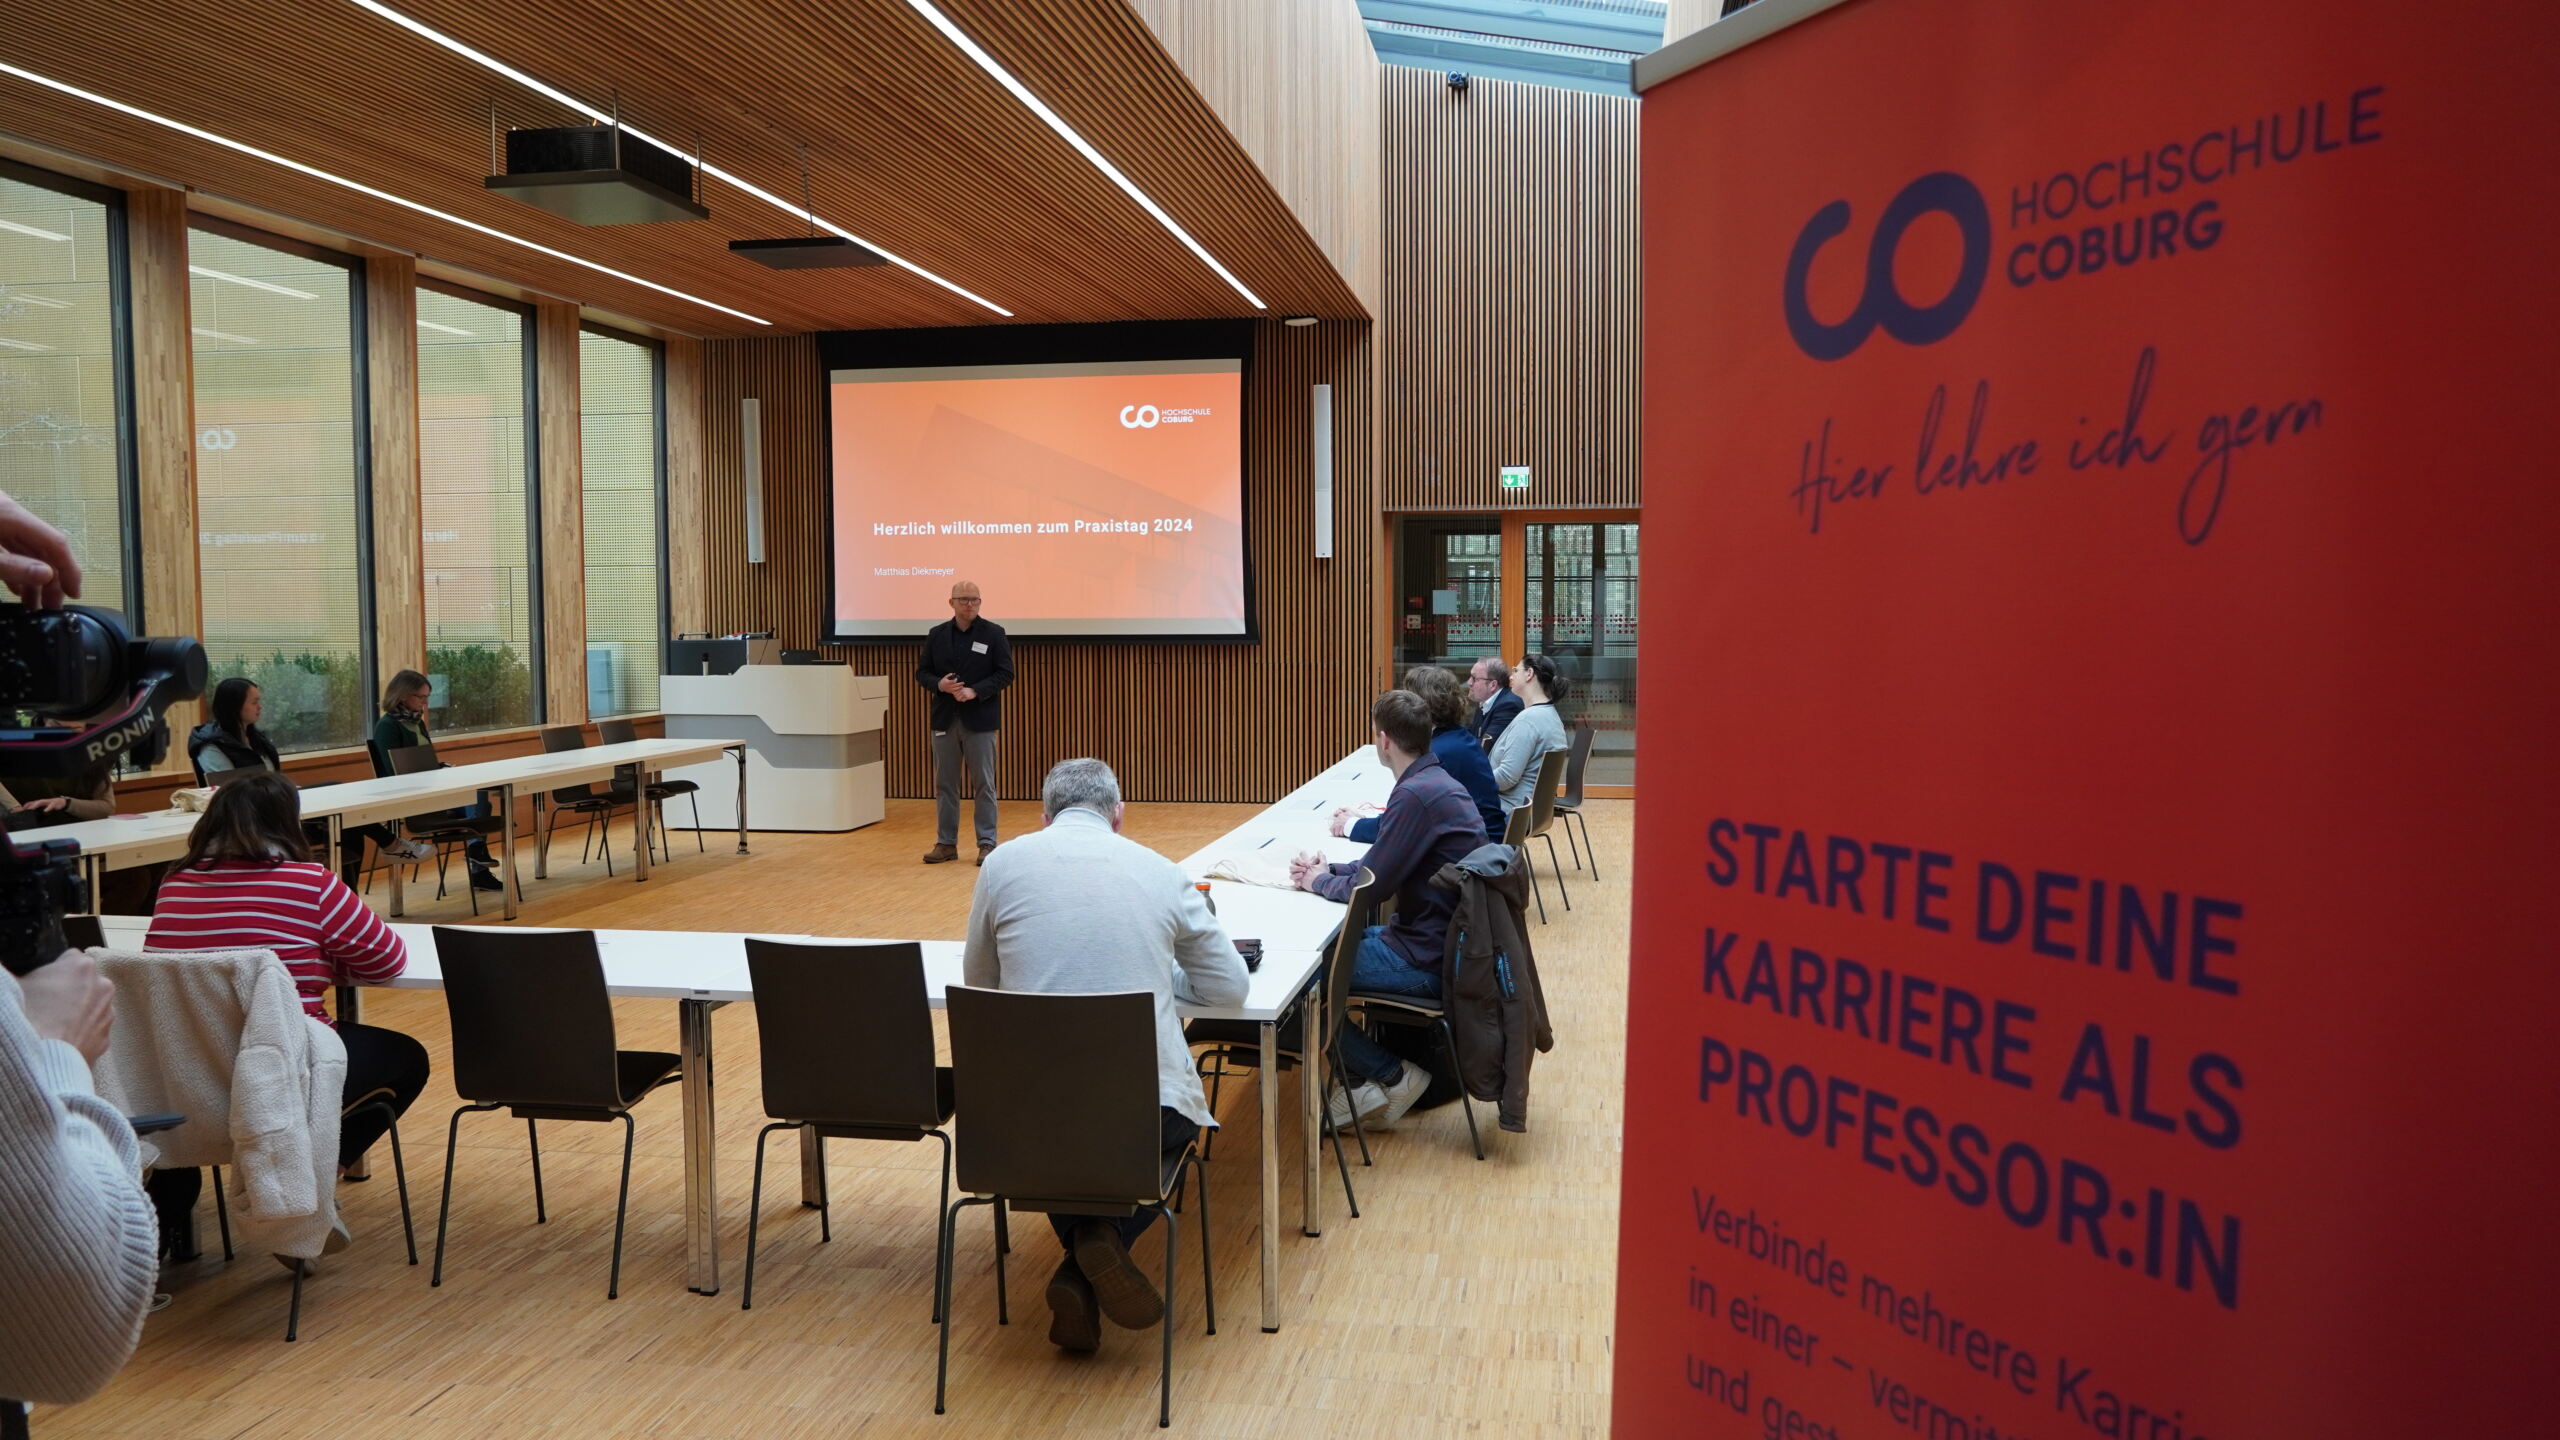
{"type": "Point", "coordinates": [1448, 596]}
{"type": "Point", "coordinates": [1578, 606]}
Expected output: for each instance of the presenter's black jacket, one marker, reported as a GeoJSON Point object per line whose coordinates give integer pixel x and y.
{"type": "Point", "coordinates": [1492, 719]}
{"type": "Point", "coordinates": [981, 658]}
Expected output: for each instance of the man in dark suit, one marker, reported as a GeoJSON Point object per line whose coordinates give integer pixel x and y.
{"type": "Point", "coordinates": [1490, 683]}
{"type": "Point", "coordinates": [965, 666]}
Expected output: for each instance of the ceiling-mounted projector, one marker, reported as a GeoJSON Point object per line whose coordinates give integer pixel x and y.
{"type": "Point", "coordinates": [808, 252]}
{"type": "Point", "coordinates": [599, 175]}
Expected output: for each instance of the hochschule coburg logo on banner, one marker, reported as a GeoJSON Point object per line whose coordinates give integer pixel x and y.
{"type": "Point", "coordinates": [1148, 417]}
{"type": "Point", "coordinates": [1881, 304]}
{"type": "Point", "coordinates": [2128, 207]}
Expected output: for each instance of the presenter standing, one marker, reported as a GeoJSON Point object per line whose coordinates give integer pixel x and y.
{"type": "Point", "coordinates": [965, 668]}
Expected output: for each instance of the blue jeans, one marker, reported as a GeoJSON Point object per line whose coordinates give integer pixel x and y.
{"type": "Point", "coordinates": [1380, 969]}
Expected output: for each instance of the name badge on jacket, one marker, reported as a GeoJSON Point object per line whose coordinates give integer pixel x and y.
{"type": "Point", "coordinates": [978, 645]}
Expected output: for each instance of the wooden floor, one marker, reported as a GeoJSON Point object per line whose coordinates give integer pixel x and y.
{"type": "Point", "coordinates": [1470, 1298]}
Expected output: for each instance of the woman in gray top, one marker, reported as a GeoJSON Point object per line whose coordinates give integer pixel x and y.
{"type": "Point", "coordinates": [1536, 730]}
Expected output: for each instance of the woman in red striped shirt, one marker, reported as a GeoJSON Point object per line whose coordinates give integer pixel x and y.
{"type": "Point", "coordinates": [248, 882]}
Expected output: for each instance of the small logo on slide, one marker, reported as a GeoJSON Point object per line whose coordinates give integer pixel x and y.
{"type": "Point", "coordinates": [1140, 417]}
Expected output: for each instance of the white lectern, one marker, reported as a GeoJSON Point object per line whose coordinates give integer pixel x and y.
{"type": "Point", "coordinates": [813, 744]}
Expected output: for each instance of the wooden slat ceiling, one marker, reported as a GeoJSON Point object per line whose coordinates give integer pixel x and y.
{"type": "Point", "coordinates": [911, 146]}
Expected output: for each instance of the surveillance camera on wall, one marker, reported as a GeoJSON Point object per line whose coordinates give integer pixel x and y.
{"type": "Point", "coordinates": [1457, 79]}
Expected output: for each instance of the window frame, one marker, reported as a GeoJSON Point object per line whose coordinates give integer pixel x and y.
{"type": "Point", "coordinates": [360, 407]}
{"type": "Point", "coordinates": [538, 690]}
{"type": "Point", "coordinates": [657, 350]}
{"type": "Point", "coordinates": [120, 349]}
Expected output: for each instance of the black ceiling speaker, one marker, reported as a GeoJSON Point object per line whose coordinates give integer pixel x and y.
{"type": "Point", "coordinates": [599, 175]}
{"type": "Point", "coordinates": [808, 252]}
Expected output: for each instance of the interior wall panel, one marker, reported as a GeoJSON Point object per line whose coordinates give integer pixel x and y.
{"type": "Point", "coordinates": [686, 599]}
{"type": "Point", "coordinates": [1191, 722]}
{"type": "Point", "coordinates": [1514, 296]}
{"type": "Point", "coordinates": [399, 536]}
{"type": "Point", "coordinates": [164, 428]}
{"type": "Point", "coordinates": [564, 522]}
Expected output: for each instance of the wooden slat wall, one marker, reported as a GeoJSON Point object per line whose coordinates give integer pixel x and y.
{"type": "Point", "coordinates": [687, 601]}
{"type": "Point", "coordinates": [1297, 85]}
{"type": "Point", "coordinates": [1513, 296]}
{"type": "Point", "coordinates": [564, 533]}
{"type": "Point", "coordinates": [399, 535]}
{"type": "Point", "coordinates": [1685, 16]}
{"type": "Point", "coordinates": [1178, 722]}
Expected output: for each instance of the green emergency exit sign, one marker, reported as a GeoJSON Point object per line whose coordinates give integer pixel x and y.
{"type": "Point", "coordinates": [1515, 477]}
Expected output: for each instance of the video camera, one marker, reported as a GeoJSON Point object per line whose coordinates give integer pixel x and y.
{"type": "Point", "coordinates": [101, 697]}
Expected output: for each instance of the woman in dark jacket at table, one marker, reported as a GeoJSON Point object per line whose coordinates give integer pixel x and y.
{"type": "Point", "coordinates": [1459, 754]}
{"type": "Point", "coordinates": [404, 724]}
{"type": "Point", "coordinates": [231, 740]}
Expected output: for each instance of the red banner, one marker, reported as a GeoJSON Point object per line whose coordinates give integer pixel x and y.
{"type": "Point", "coordinates": [2093, 969]}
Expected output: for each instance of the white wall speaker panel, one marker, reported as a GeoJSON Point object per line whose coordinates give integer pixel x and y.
{"type": "Point", "coordinates": [1320, 448]}
{"type": "Point", "coordinates": [751, 470]}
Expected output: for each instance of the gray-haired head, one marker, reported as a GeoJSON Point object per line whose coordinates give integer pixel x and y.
{"type": "Point", "coordinates": [1080, 784]}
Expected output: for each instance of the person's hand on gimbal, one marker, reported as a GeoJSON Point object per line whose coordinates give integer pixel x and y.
{"type": "Point", "coordinates": [35, 560]}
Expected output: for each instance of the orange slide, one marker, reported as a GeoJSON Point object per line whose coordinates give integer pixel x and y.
{"type": "Point", "coordinates": [1084, 504]}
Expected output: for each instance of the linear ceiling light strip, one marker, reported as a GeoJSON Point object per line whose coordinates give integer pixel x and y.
{"type": "Point", "coordinates": [791, 208]}
{"type": "Point", "coordinates": [1067, 132]}
{"type": "Point", "coordinates": [316, 173]}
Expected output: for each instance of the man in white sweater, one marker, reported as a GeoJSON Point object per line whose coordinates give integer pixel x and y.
{"type": "Point", "coordinates": [79, 1245]}
{"type": "Point", "coordinates": [1077, 909]}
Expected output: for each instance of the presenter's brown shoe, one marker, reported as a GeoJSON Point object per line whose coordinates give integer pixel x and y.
{"type": "Point", "coordinates": [942, 854]}
{"type": "Point", "coordinates": [984, 851]}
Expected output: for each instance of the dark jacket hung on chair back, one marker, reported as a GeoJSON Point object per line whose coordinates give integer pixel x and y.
{"type": "Point", "coordinates": [1497, 1010]}
{"type": "Point", "coordinates": [1430, 821]}
{"type": "Point", "coordinates": [982, 658]}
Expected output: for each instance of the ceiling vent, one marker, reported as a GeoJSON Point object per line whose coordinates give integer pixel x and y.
{"type": "Point", "coordinates": [599, 175]}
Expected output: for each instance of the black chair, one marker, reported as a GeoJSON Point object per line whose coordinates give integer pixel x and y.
{"type": "Point", "coordinates": [533, 1034]}
{"type": "Point", "coordinates": [597, 805]}
{"type": "Point", "coordinates": [376, 1099]}
{"type": "Point", "coordinates": [1239, 1042]}
{"type": "Point", "coordinates": [1064, 1116]}
{"type": "Point", "coordinates": [1416, 1012]}
{"type": "Point", "coordinates": [847, 1037]}
{"type": "Point", "coordinates": [623, 732]}
{"type": "Point", "coordinates": [1542, 819]}
{"type": "Point", "coordinates": [446, 830]}
{"type": "Point", "coordinates": [1568, 806]}
{"type": "Point", "coordinates": [1515, 834]}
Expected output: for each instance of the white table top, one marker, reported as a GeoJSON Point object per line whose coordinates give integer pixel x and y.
{"type": "Point", "coordinates": [712, 965]}
{"type": "Point", "coordinates": [125, 840]}
{"type": "Point", "coordinates": [1292, 925]}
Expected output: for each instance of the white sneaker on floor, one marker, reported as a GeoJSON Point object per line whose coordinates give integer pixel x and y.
{"type": "Point", "coordinates": [1367, 1095]}
{"type": "Point", "coordinates": [1405, 1089]}
{"type": "Point", "coordinates": [409, 850]}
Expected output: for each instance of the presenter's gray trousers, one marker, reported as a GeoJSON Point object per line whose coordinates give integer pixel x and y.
{"type": "Point", "coordinates": [950, 747]}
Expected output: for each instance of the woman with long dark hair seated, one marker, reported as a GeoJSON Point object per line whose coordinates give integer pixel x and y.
{"type": "Point", "coordinates": [231, 740]}
{"type": "Point", "coordinates": [404, 724]}
{"type": "Point", "coordinates": [247, 882]}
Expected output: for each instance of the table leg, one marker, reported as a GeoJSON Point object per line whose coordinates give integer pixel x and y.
{"type": "Point", "coordinates": [701, 1128]}
{"type": "Point", "coordinates": [93, 874]}
{"type": "Point", "coordinates": [507, 848]}
{"type": "Point", "coordinates": [640, 822]}
{"type": "Point", "coordinates": [351, 1012]}
{"type": "Point", "coordinates": [1311, 1093]}
{"type": "Point", "coordinates": [741, 752]}
{"type": "Point", "coordinates": [541, 835]}
{"type": "Point", "coordinates": [399, 885]}
{"type": "Point", "coordinates": [813, 1170]}
{"type": "Point", "coordinates": [1268, 1082]}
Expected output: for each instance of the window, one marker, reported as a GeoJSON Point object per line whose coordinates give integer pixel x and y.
{"type": "Point", "coordinates": [476, 458]}
{"type": "Point", "coordinates": [1580, 604]}
{"type": "Point", "coordinates": [63, 374]}
{"type": "Point", "coordinates": [280, 476]}
{"type": "Point", "coordinates": [1449, 580]}
{"type": "Point", "coordinates": [623, 447]}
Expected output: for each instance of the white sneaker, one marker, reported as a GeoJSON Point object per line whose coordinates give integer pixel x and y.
{"type": "Point", "coordinates": [1400, 1095]}
{"type": "Point", "coordinates": [1366, 1095]}
{"type": "Point", "coordinates": [409, 850]}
